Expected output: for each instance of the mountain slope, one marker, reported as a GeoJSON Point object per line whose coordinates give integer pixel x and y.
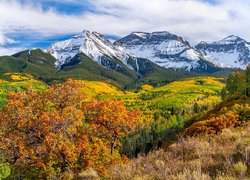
{"type": "Point", "coordinates": [39, 63]}
{"type": "Point", "coordinates": [17, 82]}
{"type": "Point", "coordinates": [232, 52]}
{"type": "Point", "coordinates": [37, 56]}
{"type": "Point", "coordinates": [80, 67]}
{"type": "Point", "coordinates": [92, 44]}
{"type": "Point", "coordinates": [164, 49]}
{"type": "Point", "coordinates": [14, 64]}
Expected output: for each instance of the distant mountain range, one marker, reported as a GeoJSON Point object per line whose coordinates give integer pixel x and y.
{"type": "Point", "coordinates": [139, 57]}
{"type": "Point", "coordinates": [162, 48]}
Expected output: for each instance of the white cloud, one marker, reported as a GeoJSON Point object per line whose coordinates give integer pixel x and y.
{"type": "Point", "coordinates": [192, 19]}
{"type": "Point", "coordinates": [5, 40]}
{"type": "Point", "coordinates": [9, 51]}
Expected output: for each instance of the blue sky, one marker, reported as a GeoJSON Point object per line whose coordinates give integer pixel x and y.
{"type": "Point", "coordinates": [29, 24]}
{"type": "Point", "coordinates": [70, 7]}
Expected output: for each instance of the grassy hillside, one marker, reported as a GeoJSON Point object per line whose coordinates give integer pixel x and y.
{"type": "Point", "coordinates": [225, 156]}
{"type": "Point", "coordinates": [9, 64]}
{"type": "Point", "coordinates": [37, 56]}
{"type": "Point", "coordinates": [17, 82]}
{"type": "Point", "coordinates": [185, 93]}
{"type": "Point", "coordinates": [178, 95]}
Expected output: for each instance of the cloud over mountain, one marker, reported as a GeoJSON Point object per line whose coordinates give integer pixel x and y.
{"type": "Point", "coordinates": [195, 20]}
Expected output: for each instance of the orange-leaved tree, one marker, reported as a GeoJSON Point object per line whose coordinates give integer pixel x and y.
{"type": "Point", "coordinates": [40, 130]}
{"type": "Point", "coordinates": [111, 120]}
{"type": "Point", "coordinates": [43, 134]}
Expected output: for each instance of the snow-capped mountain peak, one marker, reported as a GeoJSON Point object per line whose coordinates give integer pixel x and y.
{"type": "Point", "coordinates": [232, 52]}
{"type": "Point", "coordinates": [232, 39]}
{"type": "Point", "coordinates": [92, 44]}
{"type": "Point", "coordinates": [163, 48]}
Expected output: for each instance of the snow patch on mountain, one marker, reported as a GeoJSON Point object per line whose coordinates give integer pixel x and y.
{"type": "Point", "coordinates": [140, 34]}
{"type": "Point", "coordinates": [224, 59]}
{"type": "Point", "coordinates": [191, 54]}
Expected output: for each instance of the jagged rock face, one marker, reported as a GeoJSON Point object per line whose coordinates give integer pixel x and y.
{"type": "Point", "coordinates": [92, 44]}
{"type": "Point", "coordinates": [162, 48]}
{"type": "Point", "coordinates": [232, 52]}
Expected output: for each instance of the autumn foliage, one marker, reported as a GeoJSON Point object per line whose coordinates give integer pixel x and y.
{"type": "Point", "coordinates": [111, 119]}
{"type": "Point", "coordinates": [213, 125]}
{"type": "Point", "coordinates": [61, 129]}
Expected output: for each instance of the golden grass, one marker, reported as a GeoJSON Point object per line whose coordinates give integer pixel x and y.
{"type": "Point", "coordinates": [224, 156]}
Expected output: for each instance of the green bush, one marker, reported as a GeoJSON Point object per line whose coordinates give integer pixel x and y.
{"type": "Point", "coordinates": [4, 170]}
